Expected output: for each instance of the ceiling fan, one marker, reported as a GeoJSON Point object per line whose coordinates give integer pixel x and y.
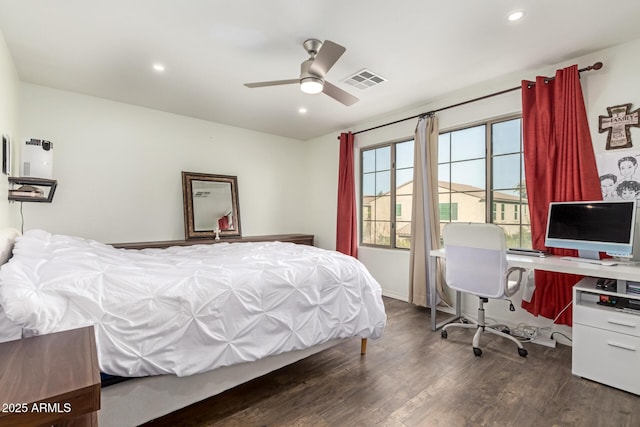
{"type": "Point", "coordinates": [322, 56]}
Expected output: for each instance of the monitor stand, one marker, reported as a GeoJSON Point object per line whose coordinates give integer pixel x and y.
{"type": "Point", "coordinates": [582, 253]}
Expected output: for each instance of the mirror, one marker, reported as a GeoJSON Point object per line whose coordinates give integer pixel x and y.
{"type": "Point", "coordinates": [210, 204]}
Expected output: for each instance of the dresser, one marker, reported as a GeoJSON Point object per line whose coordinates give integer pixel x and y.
{"type": "Point", "coordinates": [51, 379]}
{"type": "Point", "coordinates": [300, 239]}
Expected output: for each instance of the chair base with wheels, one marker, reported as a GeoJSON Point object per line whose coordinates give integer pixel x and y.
{"type": "Point", "coordinates": [480, 326]}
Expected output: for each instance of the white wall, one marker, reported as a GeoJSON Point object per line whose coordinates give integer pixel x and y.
{"type": "Point", "coordinates": [118, 168]}
{"type": "Point", "coordinates": [615, 84]}
{"type": "Point", "coordinates": [9, 84]}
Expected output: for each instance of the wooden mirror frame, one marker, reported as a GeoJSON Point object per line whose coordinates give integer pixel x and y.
{"type": "Point", "coordinates": [187, 195]}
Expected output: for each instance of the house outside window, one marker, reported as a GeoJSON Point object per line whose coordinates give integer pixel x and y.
{"type": "Point", "coordinates": [448, 212]}
{"type": "Point", "coordinates": [481, 167]}
{"type": "Point", "coordinates": [386, 181]}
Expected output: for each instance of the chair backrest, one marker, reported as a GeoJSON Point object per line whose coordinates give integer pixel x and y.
{"type": "Point", "coordinates": [476, 258]}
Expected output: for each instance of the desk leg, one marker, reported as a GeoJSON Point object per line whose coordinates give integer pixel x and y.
{"type": "Point", "coordinates": [431, 288]}
{"type": "Point", "coordinates": [433, 299]}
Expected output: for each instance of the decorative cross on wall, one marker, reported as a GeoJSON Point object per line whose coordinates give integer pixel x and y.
{"type": "Point", "coordinates": [617, 124]}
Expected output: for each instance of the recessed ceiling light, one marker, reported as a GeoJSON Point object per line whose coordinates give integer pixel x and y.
{"type": "Point", "coordinates": [516, 15]}
{"type": "Point", "coordinates": [302, 110]}
{"type": "Point", "coordinates": [158, 67]}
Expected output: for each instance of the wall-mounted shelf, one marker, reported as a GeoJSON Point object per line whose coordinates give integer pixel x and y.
{"type": "Point", "coordinates": [48, 187]}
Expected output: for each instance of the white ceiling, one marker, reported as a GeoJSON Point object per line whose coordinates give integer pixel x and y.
{"type": "Point", "coordinates": [424, 48]}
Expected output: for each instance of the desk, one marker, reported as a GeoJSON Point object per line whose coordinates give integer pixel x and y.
{"type": "Point", "coordinates": [623, 272]}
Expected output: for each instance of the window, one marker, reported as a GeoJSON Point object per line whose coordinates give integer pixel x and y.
{"type": "Point", "coordinates": [387, 181]}
{"type": "Point", "coordinates": [481, 171]}
{"type": "Point", "coordinates": [448, 212]}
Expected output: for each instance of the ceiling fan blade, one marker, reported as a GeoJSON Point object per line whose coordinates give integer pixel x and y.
{"type": "Point", "coordinates": [273, 83]}
{"type": "Point", "coordinates": [338, 94]}
{"type": "Point", "coordinates": [328, 55]}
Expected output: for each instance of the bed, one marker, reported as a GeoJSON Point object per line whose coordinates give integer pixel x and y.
{"type": "Point", "coordinates": [189, 322]}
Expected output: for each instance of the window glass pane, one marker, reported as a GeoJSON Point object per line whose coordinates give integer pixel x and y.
{"type": "Point", "coordinates": [470, 172]}
{"type": "Point", "coordinates": [514, 237]}
{"type": "Point", "coordinates": [444, 145]}
{"type": "Point", "coordinates": [403, 208]}
{"type": "Point", "coordinates": [506, 137]}
{"type": "Point", "coordinates": [403, 234]}
{"type": "Point", "coordinates": [520, 191]}
{"type": "Point", "coordinates": [367, 232]}
{"type": "Point", "coordinates": [506, 201]}
{"type": "Point", "coordinates": [449, 211]}
{"type": "Point", "coordinates": [526, 237]}
{"type": "Point", "coordinates": [468, 206]}
{"type": "Point", "coordinates": [444, 176]}
{"type": "Point", "coordinates": [369, 184]}
{"type": "Point", "coordinates": [404, 155]}
{"type": "Point", "coordinates": [382, 208]}
{"type": "Point", "coordinates": [468, 143]}
{"type": "Point", "coordinates": [506, 171]}
{"type": "Point", "coordinates": [404, 181]}
{"type": "Point", "coordinates": [383, 183]}
{"type": "Point", "coordinates": [369, 206]}
{"type": "Point", "coordinates": [382, 234]}
{"type": "Point", "coordinates": [445, 212]}
{"type": "Point", "coordinates": [383, 158]}
{"type": "Point", "coordinates": [524, 214]}
{"type": "Point", "coordinates": [367, 212]}
{"type": "Point", "coordinates": [368, 161]}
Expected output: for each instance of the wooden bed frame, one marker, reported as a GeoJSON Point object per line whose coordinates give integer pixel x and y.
{"type": "Point", "coordinates": [140, 400]}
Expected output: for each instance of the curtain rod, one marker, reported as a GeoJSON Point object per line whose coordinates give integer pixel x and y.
{"type": "Point", "coordinates": [596, 66]}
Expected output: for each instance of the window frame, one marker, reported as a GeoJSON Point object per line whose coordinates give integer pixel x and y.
{"type": "Point", "coordinates": [393, 193]}
{"type": "Point", "coordinates": [492, 211]}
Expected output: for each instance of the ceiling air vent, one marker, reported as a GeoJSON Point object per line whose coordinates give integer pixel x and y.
{"type": "Point", "coordinates": [365, 79]}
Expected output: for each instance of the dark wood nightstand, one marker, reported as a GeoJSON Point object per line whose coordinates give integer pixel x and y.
{"type": "Point", "coordinates": [50, 379]}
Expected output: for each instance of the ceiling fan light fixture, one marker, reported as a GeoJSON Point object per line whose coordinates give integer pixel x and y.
{"type": "Point", "coordinates": [311, 85]}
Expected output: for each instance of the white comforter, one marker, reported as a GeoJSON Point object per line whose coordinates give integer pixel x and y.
{"type": "Point", "coordinates": [185, 310]}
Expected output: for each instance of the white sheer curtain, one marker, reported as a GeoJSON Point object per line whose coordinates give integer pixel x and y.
{"type": "Point", "coordinates": [425, 225]}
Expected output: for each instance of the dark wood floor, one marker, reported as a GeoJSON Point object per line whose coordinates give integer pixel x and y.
{"type": "Point", "coordinates": [413, 377]}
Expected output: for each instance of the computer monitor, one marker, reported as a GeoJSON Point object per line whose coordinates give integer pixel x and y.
{"type": "Point", "coordinates": [592, 227]}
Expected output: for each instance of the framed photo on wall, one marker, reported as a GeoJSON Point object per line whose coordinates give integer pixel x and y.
{"type": "Point", "coordinates": [619, 174]}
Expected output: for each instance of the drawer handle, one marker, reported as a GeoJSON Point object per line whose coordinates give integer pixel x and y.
{"type": "Point", "coordinates": [623, 346]}
{"type": "Point", "coordinates": [621, 323]}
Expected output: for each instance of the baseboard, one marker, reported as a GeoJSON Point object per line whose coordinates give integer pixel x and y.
{"type": "Point", "coordinates": [395, 296]}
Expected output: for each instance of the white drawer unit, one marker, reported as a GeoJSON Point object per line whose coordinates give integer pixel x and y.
{"type": "Point", "coordinates": [606, 340]}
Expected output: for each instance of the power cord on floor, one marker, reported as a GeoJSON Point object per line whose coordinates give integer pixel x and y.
{"type": "Point", "coordinates": [530, 332]}
{"type": "Point", "coordinates": [560, 333]}
{"type": "Point", "coordinates": [21, 220]}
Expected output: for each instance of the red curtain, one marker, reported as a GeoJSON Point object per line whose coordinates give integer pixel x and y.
{"type": "Point", "coordinates": [346, 231]}
{"type": "Point", "coordinates": [559, 166]}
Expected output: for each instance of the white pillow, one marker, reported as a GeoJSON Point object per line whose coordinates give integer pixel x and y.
{"type": "Point", "coordinates": [8, 238]}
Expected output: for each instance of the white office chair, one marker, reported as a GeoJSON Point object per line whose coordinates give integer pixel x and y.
{"type": "Point", "coordinates": [476, 263]}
